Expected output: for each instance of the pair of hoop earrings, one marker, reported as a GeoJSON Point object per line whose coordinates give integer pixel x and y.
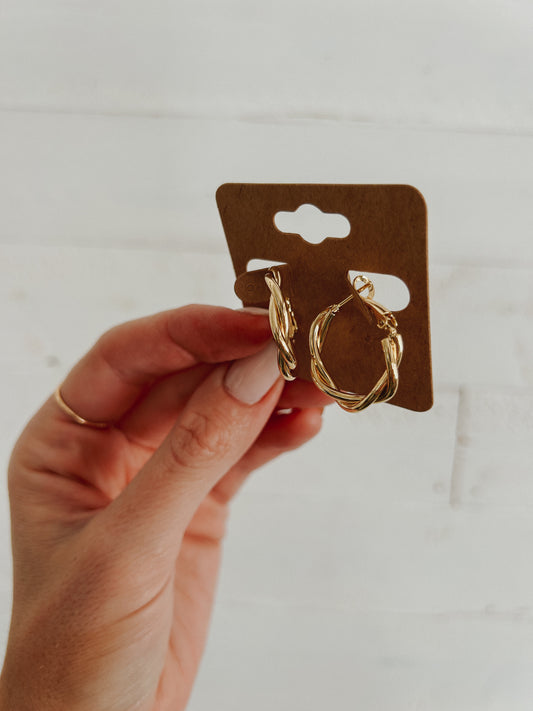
{"type": "Point", "coordinates": [284, 327]}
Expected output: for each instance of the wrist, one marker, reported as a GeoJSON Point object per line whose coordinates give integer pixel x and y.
{"type": "Point", "coordinates": [7, 702]}
{"type": "Point", "coordinates": [17, 694]}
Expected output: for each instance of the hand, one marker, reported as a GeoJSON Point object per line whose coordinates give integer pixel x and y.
{"type": "Point", "coordinates": [117, 532]}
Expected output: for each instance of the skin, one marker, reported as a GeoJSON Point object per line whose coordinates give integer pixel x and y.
{"type": "Point", "coordinates": [117, 533]}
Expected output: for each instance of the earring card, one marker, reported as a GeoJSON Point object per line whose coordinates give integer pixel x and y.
{"type": "Point", "coordinates": [387, 235]}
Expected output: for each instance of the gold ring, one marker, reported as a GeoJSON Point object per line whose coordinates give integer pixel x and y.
{"type": "Point", "coordinates": [282, 323]}
{"type": "Point", "coordinates": [386, 387]}
{"type": "Point", "coordinates": [74, 415]}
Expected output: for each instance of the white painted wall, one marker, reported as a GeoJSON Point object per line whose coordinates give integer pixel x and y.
{"type": "Point", "coordinates": [347, 583]}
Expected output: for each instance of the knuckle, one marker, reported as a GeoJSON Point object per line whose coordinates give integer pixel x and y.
{"type": "Point", "coordinates": [106, 349]}
{"type": "Point", "coordinates": [113, 350]}
{"type": "Point", "coordinates": [209, 523]}
{"type": "Point", "coordinates": [199, 440]}
{"type": "Point", "coordinates": [107, 338]}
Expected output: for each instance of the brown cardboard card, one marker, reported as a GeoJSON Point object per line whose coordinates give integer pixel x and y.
{"type": "Point", "coordinates": [387, 235]}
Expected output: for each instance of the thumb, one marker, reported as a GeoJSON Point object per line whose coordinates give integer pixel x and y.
{"type": "Point", "coordinates": [218, 425]}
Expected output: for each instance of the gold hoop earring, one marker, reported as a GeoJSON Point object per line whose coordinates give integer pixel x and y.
{"type": "Point", "coordinates": [386, 387]}
{"type": "Point", "coordinates": [282, 323]}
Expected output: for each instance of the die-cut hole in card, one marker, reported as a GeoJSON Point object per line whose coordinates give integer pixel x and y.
{"type": "Point", "coordinates": [387, 236]}
{"type": "Point", "coordinates": [313, 225]}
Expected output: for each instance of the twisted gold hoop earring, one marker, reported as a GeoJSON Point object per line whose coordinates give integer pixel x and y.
{"type": "Point", "coordinates": [392, 345]}
{"type": "Point", "coordinates": [282, 323]}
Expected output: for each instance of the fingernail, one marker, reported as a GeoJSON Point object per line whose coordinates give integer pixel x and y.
{"type": "Point", "coordinates": [254, 310]}
{"type": "Point", "coordinates": [249, 379]}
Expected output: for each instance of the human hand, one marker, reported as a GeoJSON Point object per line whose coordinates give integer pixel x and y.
{"type": "Point", "coordinates": [117, 532]}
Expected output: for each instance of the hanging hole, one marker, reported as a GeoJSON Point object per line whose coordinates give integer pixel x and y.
{"type": "Point", "coordinates": [390, 291]}
{"type": "Point", "coordinates": [256, 264]}
{"type": "Point", "coordinates": [312, 224]}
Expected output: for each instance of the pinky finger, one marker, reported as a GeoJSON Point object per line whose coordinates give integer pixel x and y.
{"type": "Point", "coordinates": [283, 433]}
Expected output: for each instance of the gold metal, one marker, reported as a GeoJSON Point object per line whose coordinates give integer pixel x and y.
{"type": "Point", "coordinates": [386, 387]}
{"type": "Point", "coordinates": [282, 323]}
{"type": "Point", "coordinates": [74, 415]}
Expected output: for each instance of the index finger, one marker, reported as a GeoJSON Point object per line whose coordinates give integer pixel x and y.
{"type": "Point", "coordinates": [130, 357]}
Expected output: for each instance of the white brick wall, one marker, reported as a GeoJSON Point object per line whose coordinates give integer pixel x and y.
{"type": "Point", "coordinates": [351, 579]}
